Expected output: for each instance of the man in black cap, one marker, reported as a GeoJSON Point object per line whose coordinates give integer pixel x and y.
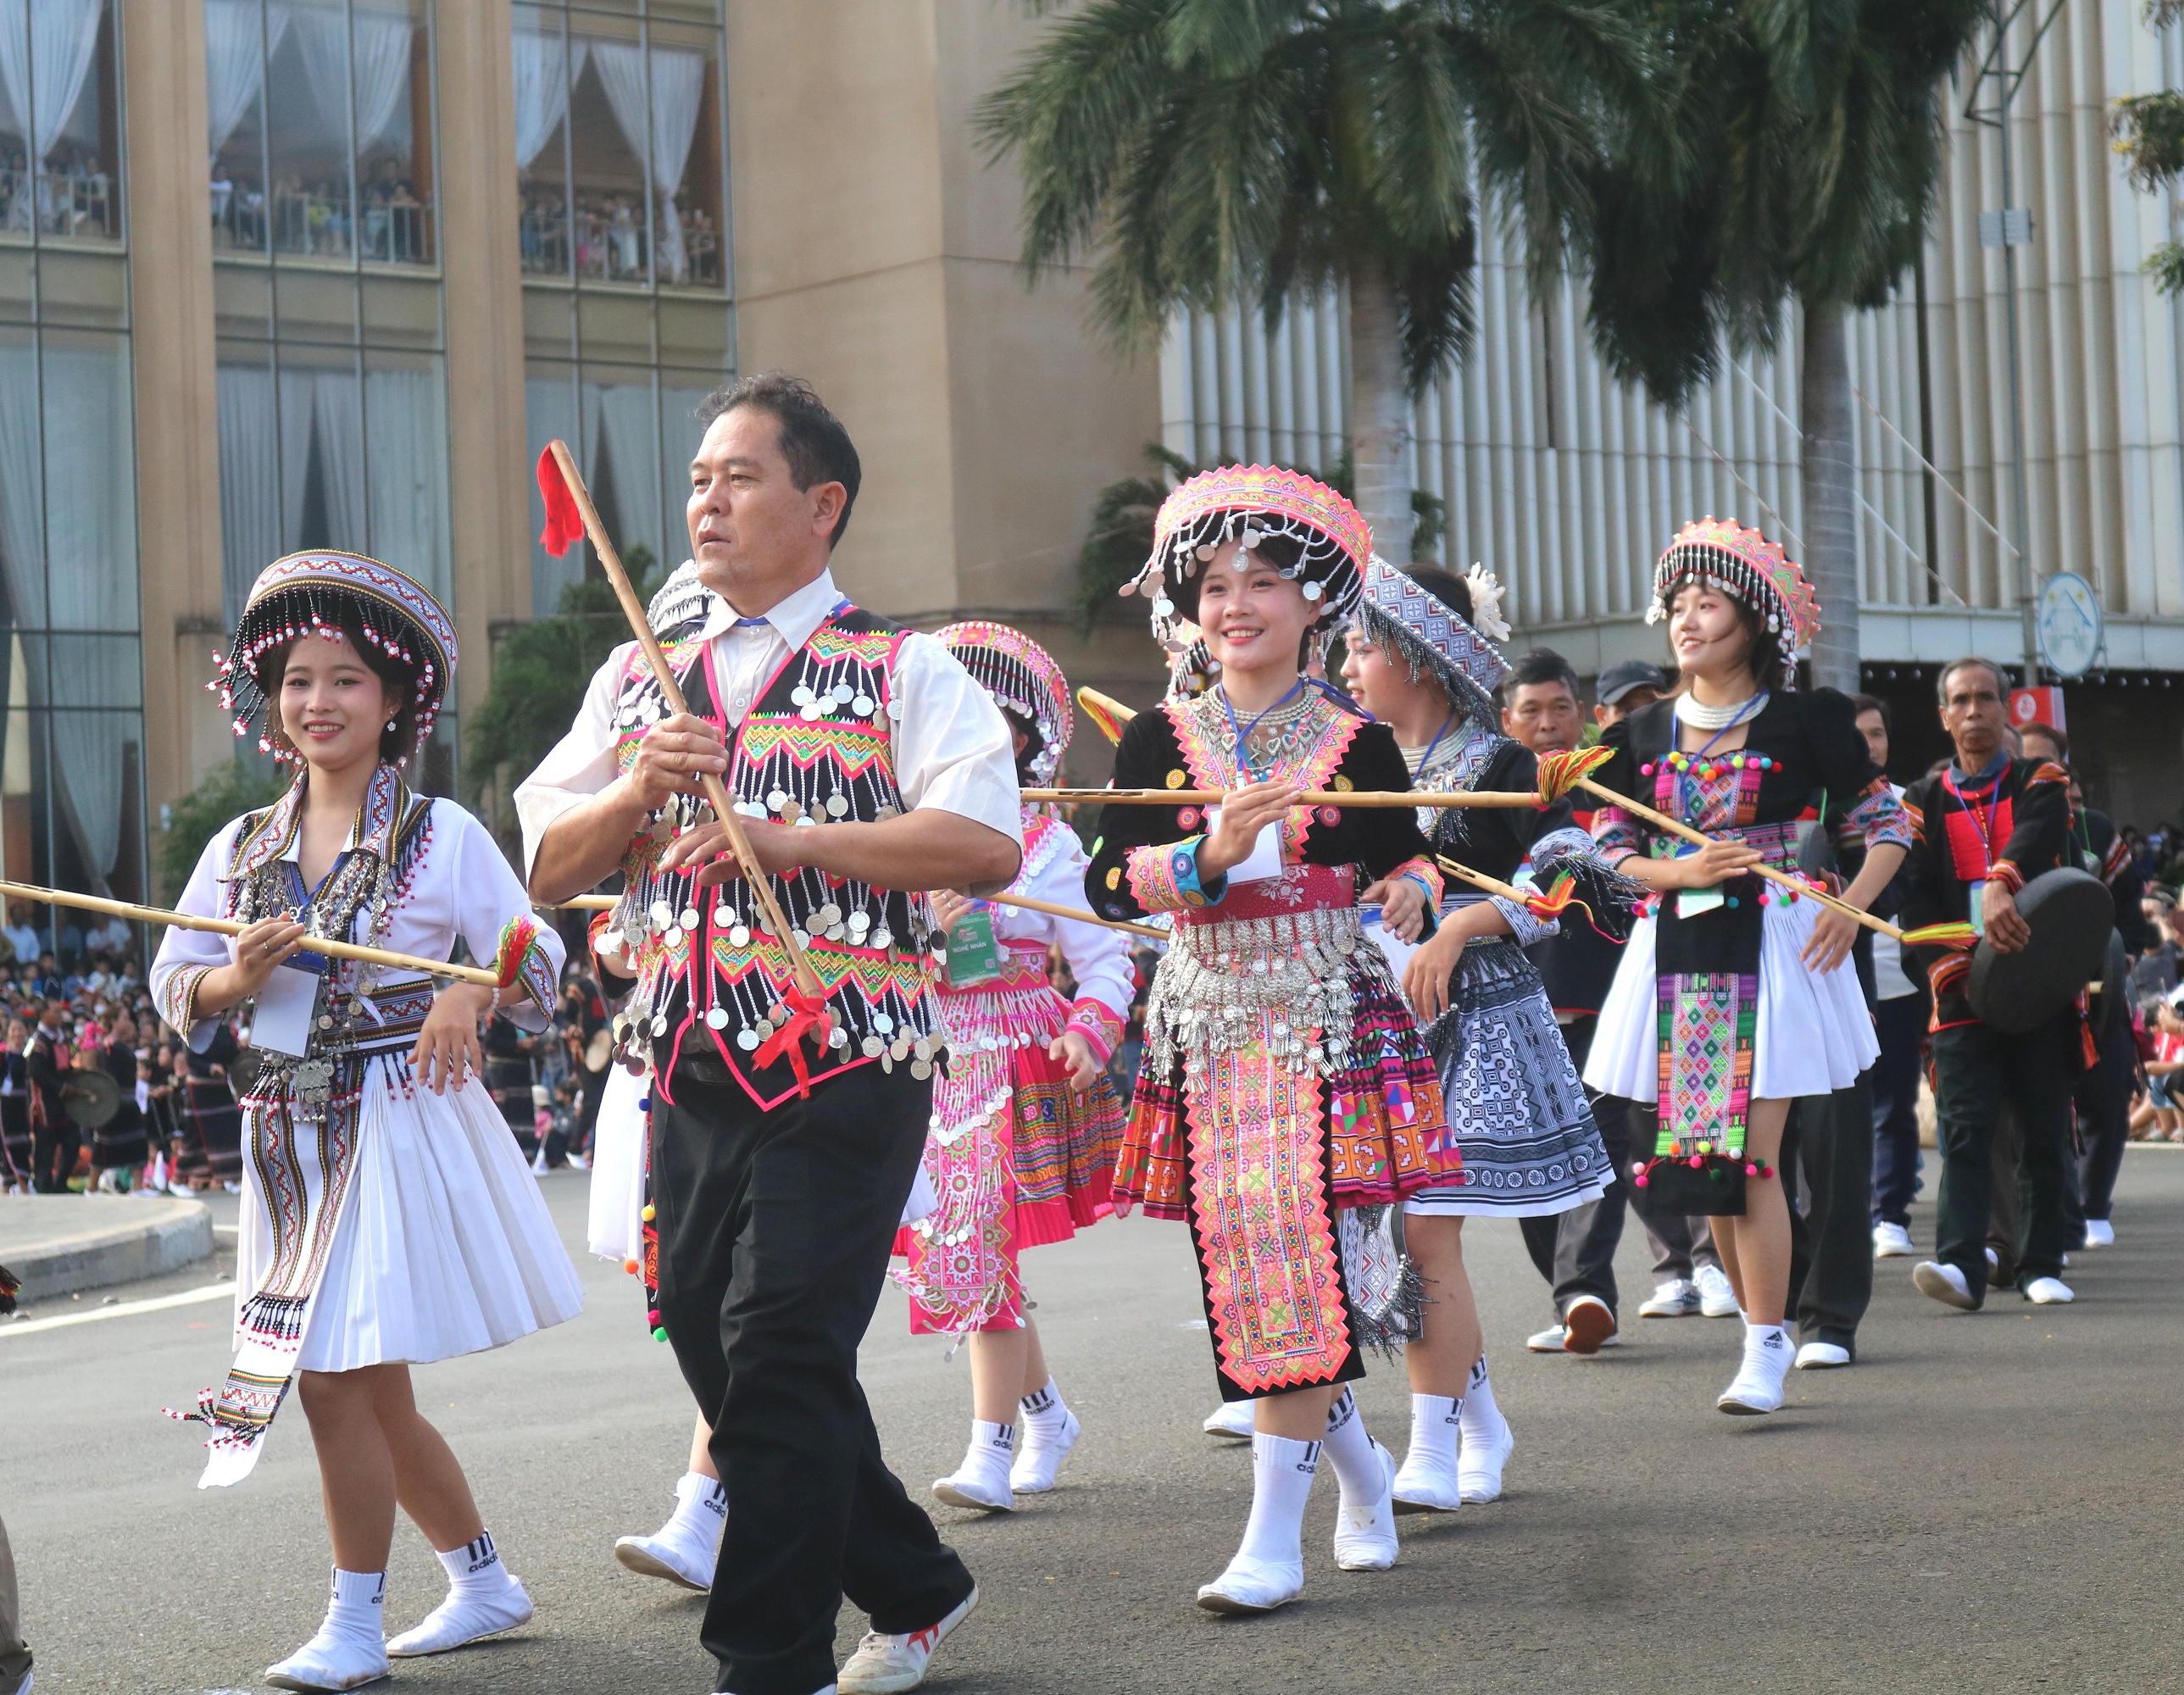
{"type": "Point", "coordinates": [1623, 688]}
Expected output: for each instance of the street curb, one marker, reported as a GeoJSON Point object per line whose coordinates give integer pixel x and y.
{"type": "Point", "coordinates": [119, 1241]}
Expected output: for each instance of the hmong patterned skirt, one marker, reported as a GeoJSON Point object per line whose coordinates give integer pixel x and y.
{"type": "Point", "coordinates": [1276, 1166]}
{"type": "Point", "coordinates": [1016, 1158]}
{"type": "Point", "coordinates": [1516, 1109]}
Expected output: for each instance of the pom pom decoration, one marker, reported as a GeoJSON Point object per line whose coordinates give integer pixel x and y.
{"type": "Point", "coordinates": [516, 937]}
{"type": "Point", "coordinates": [1560, 772]}
{"type": "Point", "coordinates": [1958, 935]}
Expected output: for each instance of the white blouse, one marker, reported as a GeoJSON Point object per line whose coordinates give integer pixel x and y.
{"type": "Point", "coordinates": [1099, 957]}
{"type": "Point", "coordinates": [459, 886]}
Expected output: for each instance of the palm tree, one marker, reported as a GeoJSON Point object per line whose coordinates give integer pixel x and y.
{"type": "Point", "coordinates": [1812, 130]}
{"type": "Point", "coordinates": [2149, 131]}
{"type": "Point", "coordinates": [1210, 150]}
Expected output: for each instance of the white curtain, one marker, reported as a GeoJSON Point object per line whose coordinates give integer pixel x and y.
{"type": "Point", "coordinates": [549, 411]}
{"type": "Point", "coordinates": [678, 87]}
{"type": "Point", "coordinates": [625, 424]}
{"type": "Point", "coordinates": [297, 394]}
{"type": "Point", "coordinates": [382, 66]}
{"type": "Point", "coordinates": [405, 423]}
{"type": "Point", "coordinates": [52, 56]}
{"type": "Point", "coordinates": [238, 42]}
{"type": "Point", "coordinates": [80, 543]}
{"type": "Point", "coordinates": [341, 458]}
{"type": "Point", "coordinates": [250, 504]}
{"type": "Point", "coordinates": [544, 75]}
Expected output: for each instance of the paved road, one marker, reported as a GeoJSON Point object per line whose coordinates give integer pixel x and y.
{"type": "Point", "coordinates": [1984, 1503]}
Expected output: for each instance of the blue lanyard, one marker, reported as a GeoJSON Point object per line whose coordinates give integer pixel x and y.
{"type": "Point", "coordinates": [1687, 798]}
{"type": "Point", "coordinates": [1425, 759]}
{"type": "Point", "coordinates": [1242, 733]}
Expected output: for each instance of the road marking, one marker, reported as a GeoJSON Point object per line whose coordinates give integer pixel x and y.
{"type": "Point", "coordinates": [157, 1303]}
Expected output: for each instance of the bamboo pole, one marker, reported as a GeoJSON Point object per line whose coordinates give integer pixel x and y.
{"type": "Point", "coordinates": [1511, 797]}
{"type": "Point", "coordinates": [231, 927]}
{"type": "Point", "coordinates": [731, 821]}
{"type": "Point", "coordinates": [607, 903]}
{"type": "Point", "coordinates": [1675, 827]}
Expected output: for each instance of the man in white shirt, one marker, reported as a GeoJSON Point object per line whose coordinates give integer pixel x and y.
{"type": "Point", "coordinates": [777, 1199]}
{"type": "Point", "coordinates": [22, 936]}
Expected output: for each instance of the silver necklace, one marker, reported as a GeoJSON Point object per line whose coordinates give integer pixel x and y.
{"type": "Point", "coordinates": [1704, 717]}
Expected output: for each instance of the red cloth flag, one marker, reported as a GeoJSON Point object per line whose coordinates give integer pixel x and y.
{"type": "Point", "coordinates": [564, 523]}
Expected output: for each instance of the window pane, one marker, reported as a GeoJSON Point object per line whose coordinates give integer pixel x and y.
{"type": "Point", "coordinates": [622, 439]}
{"type": "Point", "coordinates": [83, 290]}
{"type": "Point", "coordinates": [694, 332]}
{"type": "Point", "coordinates": [18, 274]}
{"type": "Point", "coordinates": [405, 422]}
{"type": "Point", "coordinates": [22, 482]}
{"type": "Point", "coordinates": [615, 325]}
{"type": "Point", "coordinates": [95, 768]}
{"type": "Point", "coordinates": [395, 133]}
{"type": "Point", "coordinates": [316, 305]}
{"type": "Point", "coordinates": [542, 136]}
{"type": "Point", "coordinates": [251, 506]}
{"type": "Point", "coordinates": [235, 121]}
{"type": "Point", "coordinates": [549, 321]}
{"type": "Point", "coordinates": [307, 94]}
{"type": "Point", "coordinates": [402, 312]}
{"type": "Point", "coordinates": [685, 168]}
{"type": "Point", "coordinates": [90, 476]}
{"type": "Point", "coordinates": [550, 410]}
{"type": "Point", "coordinates": [61, 121]}
{"type": "Point", "coordinates": [608, 228]}
{"type": "Point", "coordinates": [680, 392]}
{"type": "Point", "coordinates": [241, 300]}
{"type": "Point", "coordinates": [114, 664]}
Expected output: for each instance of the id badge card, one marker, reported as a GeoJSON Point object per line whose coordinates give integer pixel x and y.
{"type": "Point", "coordinates": [974, 952]}
{"type": "Point", "coordinates": [1979, 907]}
{"type": "Point", "coordinates": [1692, 903]}
{"type": "Point", "coordinates": [283, 1020]}
{"type": "Point", "coordinates": [1265, 859]}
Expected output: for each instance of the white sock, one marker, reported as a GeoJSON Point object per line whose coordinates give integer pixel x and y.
{"type": "Point", "coordinates": [356, 1611]}
{"type": "Point", "coordinates": [1481, 1420]}
{"type": "Point", "coordinates": [701, 1507]}
{"type": "Point", "coordinates": [1435, 1423]}
{"type": "Point", "coordinates": [987, 1460]}
{"type": "Point", "coordinates": [1044, 1412]}
{"type": "Point", "coordinates": [475, 1569]}
{"type": "Point", "coordinates": [1769, 1336]}
{"type": "Point", "coordinates": [1281, 1482]}
{"type": "Point", "coordinates": [1358, 1469]}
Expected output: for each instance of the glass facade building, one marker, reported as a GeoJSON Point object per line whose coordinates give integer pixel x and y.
{"type": "Point", "coordinates": [72, 780]}
{"type": "Point", "coordinates": [333, 417]}
{"type": "Point", "coordinates": [622, 155]}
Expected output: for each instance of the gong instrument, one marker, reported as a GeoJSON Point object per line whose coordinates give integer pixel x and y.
{"type": "Point", "coordinates": [2071, 915]}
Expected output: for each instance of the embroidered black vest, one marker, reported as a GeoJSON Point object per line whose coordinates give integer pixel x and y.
{"type": "Point", "coordinates": [817, 747]}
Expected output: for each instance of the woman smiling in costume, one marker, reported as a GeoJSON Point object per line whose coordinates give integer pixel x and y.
{"type": "Point", "coordinates": [1286, 1096]}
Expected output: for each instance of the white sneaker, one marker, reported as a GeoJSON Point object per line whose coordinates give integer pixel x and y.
{"type": "Point", "coordinates": [1040, 1457]}
{"type": "Point", "coordinates": [1757, 1386]}
{"type": "Point", "coordinates": [1588, 1326]}
{"type": "Point", "coordinates": [1891, 1242]}
{"type": "Point", "coordinates": [1367, 1543]}
{"type": "Point", "coordinates": [1231, 1419]}
{"type": "Point", "coordinates": [1554, 1339]}
{"type": "Point", "coordinates": [1993, 1261]}
{"type": "Point", "coordinates": [976, 1493]}
{"type": "Point", "coordinates": [578, 1162]}
{"type": "Point", "coordinates": [328, 1661]}
{"type": "Point", "coordinates": [2049, 1291]}
{"type": "Point", "coordinates": [662, 1556]}
{"type": "Point", "coordinates": [2099, 1233]}
{"type": "Point", "coordinates": [1944, 1283]}
{"type": "Point", "coordinates": [884, 1664]}
{"type": "Point", "coordinates": [1480, 1464]}
{"type": "Point", "coordinates": [1717, 1295]}
{"type": "Point", "coordinates": [1252, 1585]}
{"type": "Point", "coordinates": [539, 1164]}
{"type": "Point", "coordinates": [460, 1621]}
{"type": "Point", "coordinates": [1822, 1357]}
{"type": "Point", "coordinates": [1677, 1298]}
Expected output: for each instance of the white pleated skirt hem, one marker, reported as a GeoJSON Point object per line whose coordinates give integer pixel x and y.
{"type": "Point", "coordinates": [1443, 1204]}
{"type": "Point", "coordinates": [445, 1247]}
{"type": "Point", "coordinates": [1812, 1037]}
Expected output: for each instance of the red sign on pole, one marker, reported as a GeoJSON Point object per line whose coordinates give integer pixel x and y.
{"type": "Point", "coordinates": [2038, 706]}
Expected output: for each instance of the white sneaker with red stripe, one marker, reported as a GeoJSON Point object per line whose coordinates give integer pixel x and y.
{"type": "Point", "coordinates": [883, 1664]}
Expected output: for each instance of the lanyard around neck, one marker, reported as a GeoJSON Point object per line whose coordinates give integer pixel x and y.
{"type": "Point", "coordinates": [1243, 733]}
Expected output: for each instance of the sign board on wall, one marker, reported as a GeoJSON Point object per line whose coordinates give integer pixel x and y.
{"type": "Point", "coordinates": [2038, 706]}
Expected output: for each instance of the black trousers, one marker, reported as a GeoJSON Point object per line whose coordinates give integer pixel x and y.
{"type": "Point", "coordinates": [53, 1150]}
{"type": "Point", "coordinates": [775, 1228]}
{"type": "Point", "coordinates": [1827, 1170]}
{"type": "Point", "coordinates": [1977, 1069]}
{"type": "Point", "coordinates": [1901, 1024]}
{"type": "Point", "coordinates": [2102, 1098]}
{"type": "Point", "coordinates": [1575, 1250]}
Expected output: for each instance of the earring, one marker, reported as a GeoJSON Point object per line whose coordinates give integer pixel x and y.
{"type": "Point", "coordinates": [393, 725]}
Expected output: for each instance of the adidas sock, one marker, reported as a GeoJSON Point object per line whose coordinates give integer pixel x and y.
{"type": "Point", "coordinates": [701, 1507]}
{"type": "Point", "coordinates": [356, 1611]}
{"type": "Point", "coordinates": [986, 1461]}
{"type": "Point", "coordinates": [1044, 1412]}
{"type": "Point", "coordinates": [1282, 1471]}
{"type": "Point", "coordinates": [1435, 1421]}
{"type": "Point", "coordinates": [1481, 1420]}
{"type": "Point", "coordinates": [475, 1569]}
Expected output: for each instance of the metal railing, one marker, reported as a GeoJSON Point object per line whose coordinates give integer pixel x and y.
{"type": "Point", "coordinates": [613, 247]}
{"type": "Point", "coordinates": [315, 225]}
{"type": "Point", "coordinates": [85, 205]}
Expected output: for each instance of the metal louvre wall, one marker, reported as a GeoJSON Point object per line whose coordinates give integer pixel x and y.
{"type": "Point", "coordinates": [1567, 484]}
